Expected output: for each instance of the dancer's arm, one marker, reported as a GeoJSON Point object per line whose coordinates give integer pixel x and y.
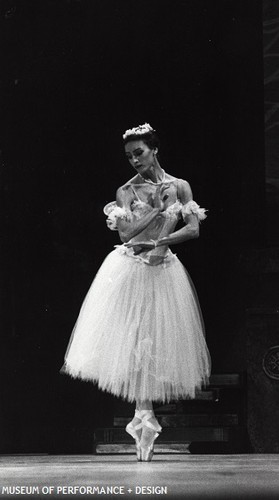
{"type": "Point", "coordinates": [191, 229]}
{"type": "Point", "coordinates": [127, 229]}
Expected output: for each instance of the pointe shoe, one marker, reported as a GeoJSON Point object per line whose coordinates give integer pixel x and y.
{"type": "Point", "coordinates": [146, 452]}
{"type": "Point", "coordinates": [133, 431]}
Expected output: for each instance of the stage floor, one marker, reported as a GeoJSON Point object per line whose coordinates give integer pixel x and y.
{"type": "Point", "coordinates": [171, 476]}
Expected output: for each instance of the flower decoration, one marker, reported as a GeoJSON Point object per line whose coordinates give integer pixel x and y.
{"type": "Point", "coordinates": [114, 213]}
{"type": "Point", "coordinates": [140, 130]}
{"type": "Point", "coordinates": [193, 208]}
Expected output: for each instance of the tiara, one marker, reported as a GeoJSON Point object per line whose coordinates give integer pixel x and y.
{"type": "Point", "coordinates": [140, 130]}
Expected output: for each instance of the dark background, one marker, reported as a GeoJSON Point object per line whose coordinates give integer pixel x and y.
{"type": "Point", "coordinates": [75, 75]}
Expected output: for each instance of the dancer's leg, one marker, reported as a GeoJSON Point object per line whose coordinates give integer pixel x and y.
{"type": "Point", "coordinates": [141, 405]}
{"type": "Point", "coordinates": [134, 428]}
{"type": "Point", "coordinates": [144, 405]}
{"type": "Point", "coordinates": [145, 408]}
{"type": "Point", "coordinates": [151, 428]}
{"type": "Point", "coordinates": [144, 428]}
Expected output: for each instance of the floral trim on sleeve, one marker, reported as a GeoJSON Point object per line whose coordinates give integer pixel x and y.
{"type": "Point", "coordinates": [114, 212]}
{"type": "Point", "coordinates": [173, 210]}
{"type": "Point", "coordinates": [193, 208]}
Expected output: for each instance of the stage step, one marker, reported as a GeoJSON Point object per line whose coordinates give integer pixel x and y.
{"type": "Point", "coordinates": [212, 396]}
{"type": "Point", "coordinates": [129, 448]}
{"type": "Point", "coordinates": [181, 420]}
{"type": "Point", "coordinates": [172, 434]}
{"type": "Point", "coordinates": [213, 422]}
{"type": "Point", "coordinates": [226, 380]}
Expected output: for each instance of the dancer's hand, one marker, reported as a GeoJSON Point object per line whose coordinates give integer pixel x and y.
{"type": "Point", "coordinates": [140, 246]}
{"type": "Point", "coordinates": [160, 197]}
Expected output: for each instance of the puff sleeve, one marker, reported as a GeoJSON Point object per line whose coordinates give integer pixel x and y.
{"type": "Point", "coordinates": [114, 212]}
{"type": "Point", "coordinates": [193, 208]}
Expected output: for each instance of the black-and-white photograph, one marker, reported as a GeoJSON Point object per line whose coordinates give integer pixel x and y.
{"type": "Point", "coordinates": [139, 159]}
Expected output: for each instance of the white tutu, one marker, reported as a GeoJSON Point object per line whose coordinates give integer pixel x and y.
{"type": "Point", "coordinates": [140, 334]}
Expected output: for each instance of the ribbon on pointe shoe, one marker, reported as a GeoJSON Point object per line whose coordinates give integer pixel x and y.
{"type": "Point", "coordinates": [147, 451]}
{"type": "Point", "coordinates": [132, 430]}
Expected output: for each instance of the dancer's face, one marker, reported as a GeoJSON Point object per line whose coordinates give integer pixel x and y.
{"type": "Point", "coordinates": [140, 156]}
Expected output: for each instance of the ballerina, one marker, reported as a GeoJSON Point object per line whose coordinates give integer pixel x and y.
{"type": "Point", "coordinates": [140, 332]}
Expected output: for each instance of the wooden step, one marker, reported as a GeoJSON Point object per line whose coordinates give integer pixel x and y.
{"type": "Point", "coordinates": [167, 408]}
{"type": "Point", "coordinates": [117, 435]}
{"type": "Point", "coordinates": [193, 420]}
{"type": "Point", "coordinates": [219, 383]}
{"type": "Point", "coordinates": [129, 449]}
{"type": "Point", "coordinates": [123, 408]}
{"type": "Point", "coordinates": [208, 395]}
{"type": "Point", "coordinates": [225, 380]}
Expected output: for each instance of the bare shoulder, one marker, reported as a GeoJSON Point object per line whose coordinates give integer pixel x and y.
{"type": "Point", "coordinates": [169, 177]}
{"type": "Point", "coordinates": [184, 190]}
{"type": "Point", "coordinates": [181, 183]}
{"type": "Point", "coordinates": [124, 194]}
{"type": "Point", "coordinates": [127, 184]}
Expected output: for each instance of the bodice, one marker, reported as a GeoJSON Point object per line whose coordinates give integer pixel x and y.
{"type": "Point", "coordinates": [162, 225]}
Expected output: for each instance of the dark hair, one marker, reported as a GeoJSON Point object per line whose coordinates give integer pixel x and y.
{"type": "Point", "coordinates": [149, 138]}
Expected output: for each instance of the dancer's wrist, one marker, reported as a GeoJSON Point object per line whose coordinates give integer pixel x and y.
{"type": "Point", "coordinates": [162, 241]}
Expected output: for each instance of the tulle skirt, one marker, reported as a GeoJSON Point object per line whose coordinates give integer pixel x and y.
{"type": "Point", "coordinates": [140, 333]}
